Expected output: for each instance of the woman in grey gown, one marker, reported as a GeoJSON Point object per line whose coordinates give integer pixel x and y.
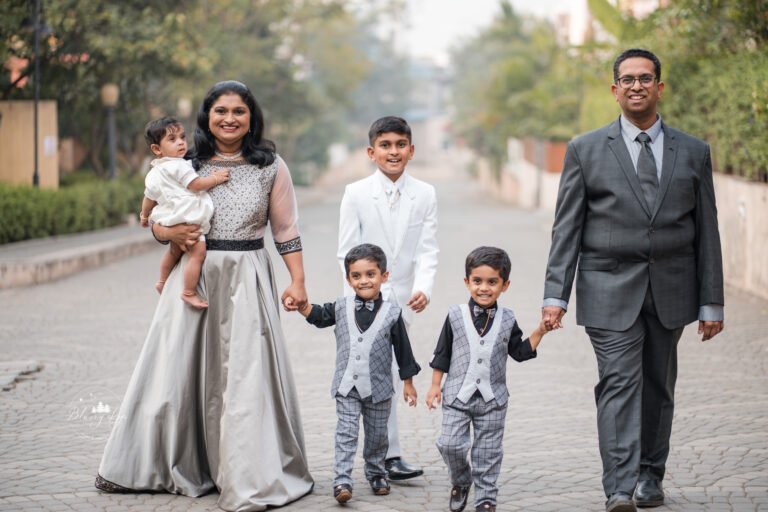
{"type": "Point", "coordinates": [211, 403]}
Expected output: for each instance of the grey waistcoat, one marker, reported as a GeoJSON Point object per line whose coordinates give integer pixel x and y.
{"type": "Point", "coordinates": [476, 358]}
{"type": "Point", "coordinates": [364, 360]}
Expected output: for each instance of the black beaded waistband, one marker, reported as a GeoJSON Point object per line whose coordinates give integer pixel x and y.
{"type": "Point", "coordinates": [234, 245]}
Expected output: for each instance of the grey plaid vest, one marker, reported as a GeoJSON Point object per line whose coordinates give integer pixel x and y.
{"type": "Point", "coordinates": [364, 360]}
{"type": "Point", "coordinates": [464, 370]}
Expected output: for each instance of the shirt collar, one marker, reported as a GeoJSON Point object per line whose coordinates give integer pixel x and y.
{"type": "Point", "coordinates": [631, 131]}
{"type": "Point", "coordinates": [163, 159]}
{"type": "Point", "coordinates": [387, 183]}
{"type": "Point", "coordinates": [472, 303]}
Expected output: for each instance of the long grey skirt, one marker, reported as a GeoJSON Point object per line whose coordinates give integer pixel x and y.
{"type": "Point", "coordinates": [211, 402]}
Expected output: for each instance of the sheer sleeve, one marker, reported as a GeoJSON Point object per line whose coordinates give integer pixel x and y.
{"type": "Point", "coordinates": [283, 211]}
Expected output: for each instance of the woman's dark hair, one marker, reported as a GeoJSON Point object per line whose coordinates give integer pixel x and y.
{"type": "Point", "coordinates": [256, 149]}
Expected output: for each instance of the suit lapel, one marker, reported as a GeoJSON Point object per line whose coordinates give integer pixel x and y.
{"type": "Point", "coordinates": [619, 149]}
{"type": "Point", "coordinates": [667, 166]}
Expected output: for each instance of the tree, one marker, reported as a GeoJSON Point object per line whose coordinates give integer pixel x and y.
{"type": "Point", "coordinates": [135, 44]}
{"type": "Point", "coordinates": [514, 80]}
{"type": "Point", "coordinates": [301, 58]}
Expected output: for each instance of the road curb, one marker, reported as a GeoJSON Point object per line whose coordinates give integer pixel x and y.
{"type": "Point", "coordinates": [62, 263]}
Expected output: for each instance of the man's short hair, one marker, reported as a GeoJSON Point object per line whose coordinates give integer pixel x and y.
{"type": "Point", "coordinates": [496, 258]}
{"type": "Point", "coordinates": [157, 128]}
{"type": "Point", "coordinates": [389, 124]}
{"type": "Point", "coordinates": [369, 252]}
{"type": "Point", "coordinates": [637, 52]}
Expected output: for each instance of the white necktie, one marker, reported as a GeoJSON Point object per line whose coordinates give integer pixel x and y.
{"type": "Point", "coordinates": [393, 194]}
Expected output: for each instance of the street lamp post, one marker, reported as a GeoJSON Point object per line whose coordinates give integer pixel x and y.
{"type": "Point", "coordinates": [110, 93]}
{"type": "Point", "coordinates": [36, 21]}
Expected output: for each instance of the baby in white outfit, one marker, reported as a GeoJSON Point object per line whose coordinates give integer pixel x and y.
{"type": "Point", "coordinates": [175, 194]}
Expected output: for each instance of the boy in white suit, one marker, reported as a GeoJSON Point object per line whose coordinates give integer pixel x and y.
{"type": "Point", "coordinates": [398, 213]}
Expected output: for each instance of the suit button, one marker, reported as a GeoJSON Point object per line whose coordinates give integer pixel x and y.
{"type": "Point", "coordinates": [479, 361]}
{"type": "Point", "coordinates": [506, 340]}
{"type": "Point", "coordinates": [650, 229]}
{"type": "Point", "coordinates": [354, 377]}
{"type": "Point", "coordinates": [358, 358]}
{"type": "Point", "coordinates": [359, 339]}
{"type": "Point", "coordinates": [478, 381]}
{"type": "Point", "coordinates": [482, 342]}
{"type": "Point", "coordinates": [386, 335]}
{"type": "Point", "coordinates": [651, 261]}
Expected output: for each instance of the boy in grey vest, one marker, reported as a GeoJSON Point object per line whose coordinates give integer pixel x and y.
{"type": "Point", "coordinates": [472, 350]}
{"type": "Point", "coordinates": [367, 329]}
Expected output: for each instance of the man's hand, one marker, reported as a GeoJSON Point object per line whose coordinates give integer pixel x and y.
{"type": "Point", "coordinates": [709, 329]}
{"type": "Point", "coordinates": [552, 316]}
{"type": "Point", "coordinates": [418, 302]}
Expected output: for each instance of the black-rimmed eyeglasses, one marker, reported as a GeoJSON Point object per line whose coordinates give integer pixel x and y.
{"type": "Point", "coordinates": [628, 81]}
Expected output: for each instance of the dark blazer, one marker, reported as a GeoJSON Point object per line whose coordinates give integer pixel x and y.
{"type": "Point", "coordinates": [622, 246]}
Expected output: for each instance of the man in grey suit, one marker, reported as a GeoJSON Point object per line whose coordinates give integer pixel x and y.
{"type": "Point", "coordinates": [636, 210]}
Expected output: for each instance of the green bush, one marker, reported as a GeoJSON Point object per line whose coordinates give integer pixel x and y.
{"type": "Point", "coordinates": [33, 213]}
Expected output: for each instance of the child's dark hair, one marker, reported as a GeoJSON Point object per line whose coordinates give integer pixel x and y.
{"type": "Point", "coordinates": [369, 252]}
{"type": "Point", "coordinates": [157, 128]}
{"type": "Point", "coordinates": [389, 124]}
{"type": "Point", "coordinates": [496, 258]}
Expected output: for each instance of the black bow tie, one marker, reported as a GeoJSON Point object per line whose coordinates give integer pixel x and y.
{"type": "Point", "coordinates": [477, 311]}
{"type": "Point", "coordinates": [368, 304]}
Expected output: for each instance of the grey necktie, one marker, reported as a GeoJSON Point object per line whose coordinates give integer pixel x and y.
{"type": "Point", "coordinates": [646, 170]}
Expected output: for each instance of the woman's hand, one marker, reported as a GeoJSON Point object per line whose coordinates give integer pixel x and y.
{"type": "Point", "coordinates": [295, 296]}
{"type": "Point", "coordinates": [183, 235]}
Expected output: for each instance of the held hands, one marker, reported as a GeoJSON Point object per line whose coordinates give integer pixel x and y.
{"type": "Point", "coordinates": [434, 396]}
{"type": "Point", "coordinates": [418, 302]}
{"type": "Point", "coordinates": [709, 329]}
{"type": "Point", "coordinates": [551, 317]}
{"type": "Point", "coordinates": [409, 393]}
{"type": "Point", "coordinates": [294, 297]}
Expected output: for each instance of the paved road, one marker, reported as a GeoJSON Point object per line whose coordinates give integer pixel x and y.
{"type": "Point", "coordinates": [88, 330]}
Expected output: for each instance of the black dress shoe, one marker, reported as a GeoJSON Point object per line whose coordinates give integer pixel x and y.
{"type": "Point", "coordinates": [379, 486]}
{"type": "Point", "coordinates": [485, 506]}
{"type": "Point", "coordinates": [458, 500]}
{"type": "Point", "coordinates": [398, 469]}
{"type": "Point", "coordinates": [620, 502]}
{"type": "Point", "coordinates": [342, 493]}
{"type": "Point", "coordinates": [649, 493]}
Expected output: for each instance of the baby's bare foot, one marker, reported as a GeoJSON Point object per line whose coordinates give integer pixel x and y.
{"type": "Point", "coordinates": [159, 286]}
{"type": "Point", "coordinates": [193, 300]}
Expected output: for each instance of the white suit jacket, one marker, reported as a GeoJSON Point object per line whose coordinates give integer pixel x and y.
{"type": "Point", "coordinates": [412, 258]}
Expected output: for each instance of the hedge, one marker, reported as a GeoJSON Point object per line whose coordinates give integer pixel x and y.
{"type": "Point", "coordinates": [27, 212]}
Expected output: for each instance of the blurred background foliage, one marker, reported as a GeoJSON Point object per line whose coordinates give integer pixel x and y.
{"type": "Point", "coordinates": [513, 79]}
{"type": "Point", "coordinates": [323, 70]}
{"type": "Point", "coordinates": [308, 63]}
